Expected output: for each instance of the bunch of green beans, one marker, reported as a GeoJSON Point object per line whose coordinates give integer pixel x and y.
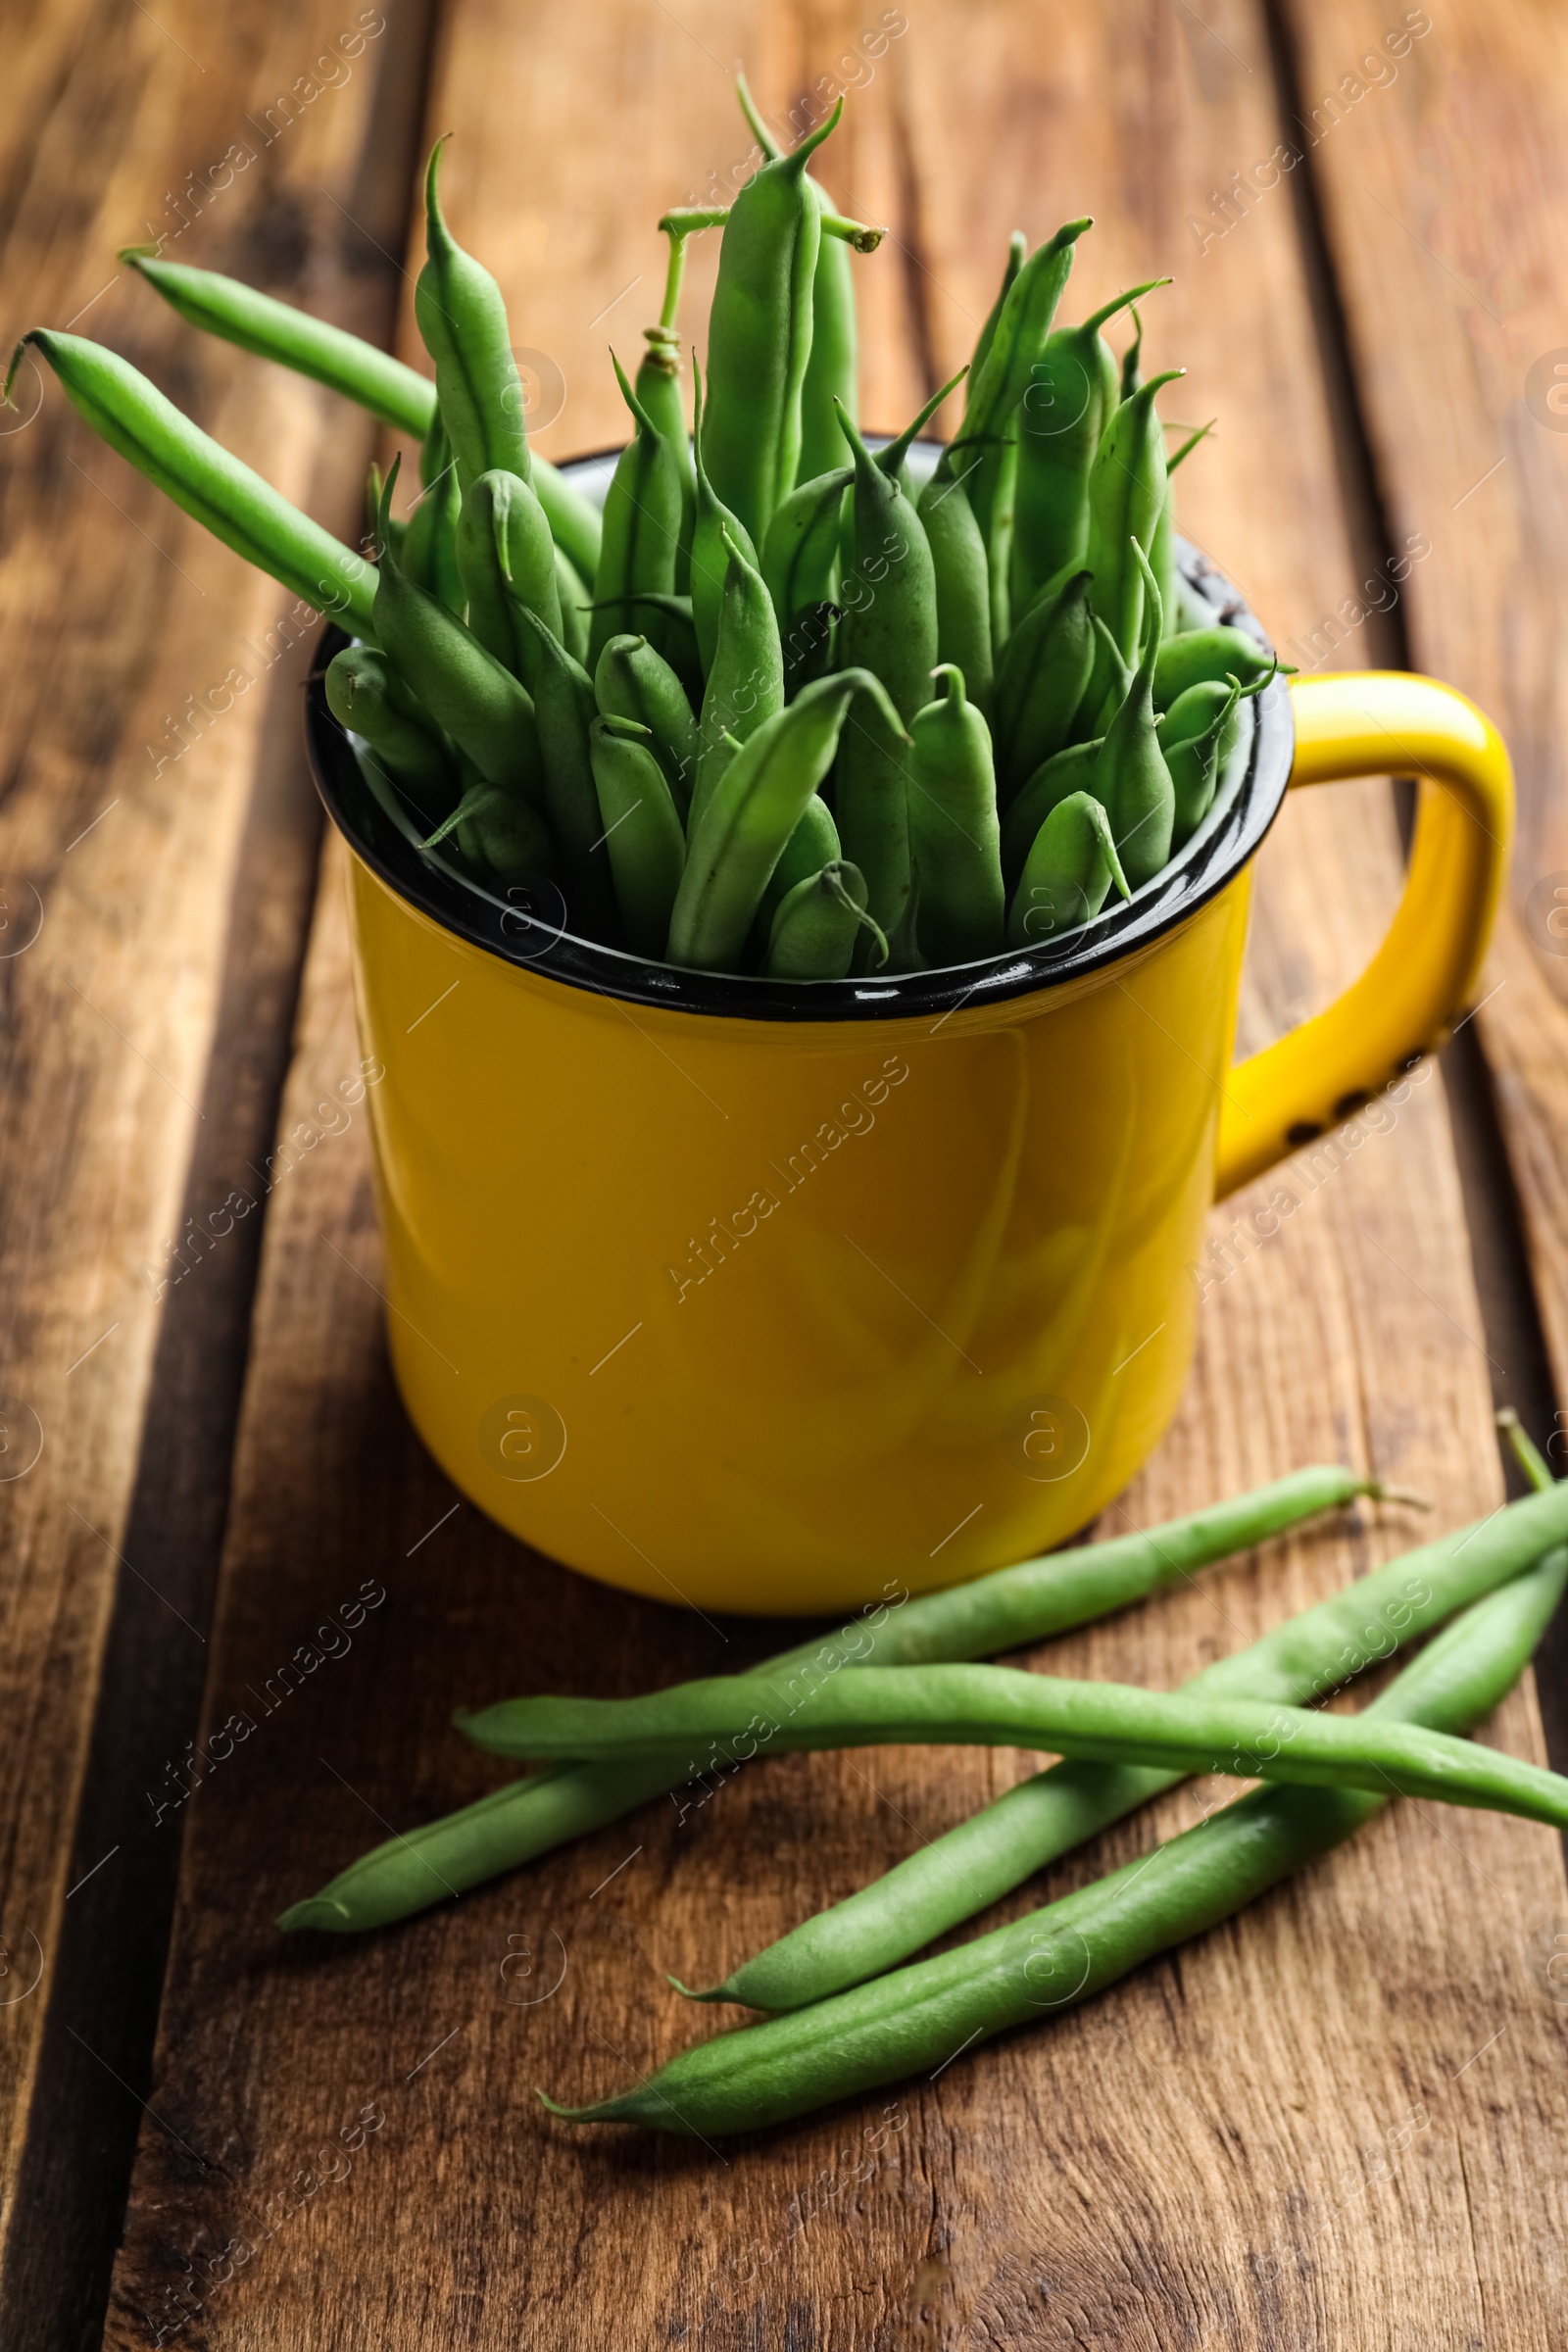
{"type": "Point", "coordinates": [921, 2017]}
{"type": "Point", "coordinates": [567, 690]}
{"type": "Point", "coordinates": [1005, 1610]}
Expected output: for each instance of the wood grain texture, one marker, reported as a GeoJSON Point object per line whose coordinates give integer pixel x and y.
{"type": "Point", "coordinates": [119, 852]}
{"type": "Point", "coordinates": [1442, 186]}
{"type": "Point", "coordinates": [1330, 2121]}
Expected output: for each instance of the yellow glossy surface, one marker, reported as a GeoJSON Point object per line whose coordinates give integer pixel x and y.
{"type": "Point", "coordinates": [765, 1316]}
{"type": "Point", "coordinates": [1372, 723]}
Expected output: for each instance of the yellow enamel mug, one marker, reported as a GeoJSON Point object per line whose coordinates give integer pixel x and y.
{"type": "Point", "coordinates": [763, 1297]}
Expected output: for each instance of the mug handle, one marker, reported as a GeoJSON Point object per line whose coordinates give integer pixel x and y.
{"type": "Point", "coordinates": [1370, 723]}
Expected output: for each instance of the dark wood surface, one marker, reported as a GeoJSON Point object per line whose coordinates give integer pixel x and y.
{"type": "Point", "coordinates": [1336, 2120]}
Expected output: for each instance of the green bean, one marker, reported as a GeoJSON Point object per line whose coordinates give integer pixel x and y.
{"type": "Point", "coordinates": [1040, 682]}
{"type": "Point", "coordinates": [813, 844]}
{"type": "Point", "coordinates": [396, 531]}
{"type": "Point", "coordinates": [506, 560]}
{"type": "Point", "coordinates": [715, 525]}
{"type": "Point", "coordinates": [1528, 1454]}
{"type": "Point", "coordinates": [921, 2017]}
{"type": "Point", "coordinates": [832, 370]}
{"type": "Point", "coordinates": [744, 678]}
{"type": "Point", "coordinates": [817, 924]}
{"type": "Point", "coordinates": [1017, 253]}
{"type": "Point", "coordinates": [1130, 778]}
{"type": "Point", "coordinates": [954, 1876]}
{"type": "Point", "coordinates": [231, 501]}
{"type": "Point", "coordinates": [893, 460]}
{"type": "Point", "coordinates": [955, 841]}
{"type": "Point", "coordinates": [1190, 443]}
{"type": "Point", "coordinates": [1213, 654]}
{"type": "Point", "coordinates": [464, 689]}
{"type": "Point", "coordinates": [1000, 379]}
{"type": "Point", "coordinates": [759, 336]}
{"type": "Point", "coordinates": [800, 555]}
{"type": "Point", "coordinates": [1131, 375]}
{"type": "Point", "coordinates": [738, 837]}
{"type": "Point", "coordinates": [1071, 398]}
{"type": "Point", "coordinates": [632, 681]}
{"type": "Point", "coordinates": [889, 627]}
{"type": "Point", "coordinates": [1053, 782]}
{"type": "Point", "coordinates": [1068, 874]}
{"type": "Point", "coordinates": [346, 363]}
{"type": "Point", "coordinates": [364, 694]}
{"type": "Point", "coordinates": [277, 330]}
{"type": "Point", "coordinates": [1001, 1706]}
{"type": "Point", "coordinates": [1096, 711]}
{"type": "Point", "coordinates": [659, 388]}
{"type": "Point", "coordinates": [1126, 492]}
{"type": "Point", "coordinates": [565, 709]}
{"type": "Point", "coordinates": [497, 830]}
{"type": "Point", "coordinates": [573, 593]}
{"type": "Point", "coordinates": [1192, 762]}
{"type": "Point", "coordinates": [1006, 1609]}
{"type": "Point", "coordinates": [429, 552]}
{"type": "Point", "coordinates": [681, 650]}
{"type": "Point", "coordinates": [463, 322]}
{"type": "Point", "coordinates": [961, 570]}
{"type": "Point", "coordinates": [640, 531]}
{"type": "Point", "coordinates": [574, 524]}
{"type": "Point", "coordinates": [642, 830]}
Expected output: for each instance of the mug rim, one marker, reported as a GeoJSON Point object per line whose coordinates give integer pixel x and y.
{"type": "Point", "coordinates": [521, 920]}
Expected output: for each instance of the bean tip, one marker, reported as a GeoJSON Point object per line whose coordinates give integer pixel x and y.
{"type": "Point", "coordinates": [689, 1992]}
{"type": "Point", "coordinates": [315, 1911]}
{"type": "Point", "coordinates": [1377, 1492]}
{"type": "Point", "coordinates": [571, 2115]}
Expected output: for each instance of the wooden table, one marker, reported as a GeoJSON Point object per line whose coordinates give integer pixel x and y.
{"type": "Point", "coordinates": [1339, 2119]}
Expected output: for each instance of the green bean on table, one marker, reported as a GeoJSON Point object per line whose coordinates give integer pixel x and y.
{"type": "Point", "coordinates": [1001, 1706]}
{"type": "Point", "coordinates": [954, 1876]}
{"type": "Point", "coordinates": [921, 2017]}
{"type": "Point", "coordinates": [1004, 1610]}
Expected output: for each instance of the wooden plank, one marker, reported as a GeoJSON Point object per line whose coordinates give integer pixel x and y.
{"type": "Point", "coordinates": [123, 852]}
{"type": "Point", "coordinates": [1440, 171]}
{"type": "Point", "coordinates": [1319, 2124]}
